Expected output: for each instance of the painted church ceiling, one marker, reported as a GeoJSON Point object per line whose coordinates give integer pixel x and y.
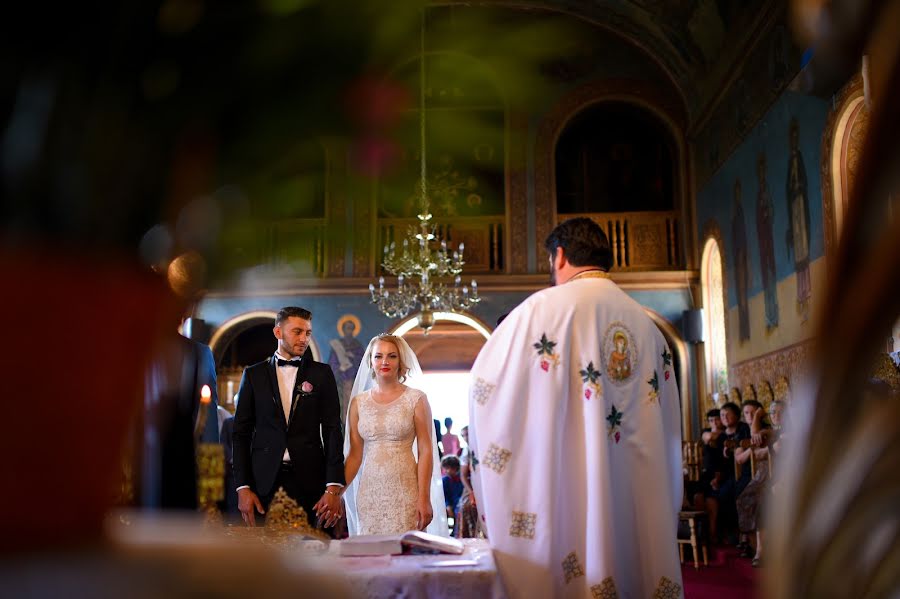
{"type": "Point", "coordinates": [697, 42]}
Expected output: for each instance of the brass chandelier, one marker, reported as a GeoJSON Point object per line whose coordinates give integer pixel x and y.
{"type": "Point", "coordinates": [425, 263]}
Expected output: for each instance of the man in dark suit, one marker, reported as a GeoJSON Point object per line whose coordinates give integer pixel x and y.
{"type": "Point", "coordinates": [168, 474]}
{"type": "Point", "coordinates": [287, 428]}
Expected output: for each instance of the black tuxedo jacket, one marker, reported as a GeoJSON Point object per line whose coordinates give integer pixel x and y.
{"type": "Point", "coordinates": [312, 435]}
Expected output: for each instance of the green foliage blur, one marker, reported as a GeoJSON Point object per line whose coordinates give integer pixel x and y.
{"type": "Point", "coordinates": [227, 127]}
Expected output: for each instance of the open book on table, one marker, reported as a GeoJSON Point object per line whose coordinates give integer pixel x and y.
{"type": "Point", "coordinates": [413, 541]}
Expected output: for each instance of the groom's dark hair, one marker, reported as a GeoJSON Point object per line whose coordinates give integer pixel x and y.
{"type": "Point", "coordinates": [289, 311]}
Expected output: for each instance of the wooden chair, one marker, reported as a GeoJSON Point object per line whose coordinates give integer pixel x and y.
{"type": "Point", "coordinates": [746, 443]}
{"type": "Point", "coordinates": [691, 517]}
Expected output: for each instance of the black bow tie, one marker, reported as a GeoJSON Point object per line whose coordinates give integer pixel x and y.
{"type": "Point", "coordinates": [294, 363]}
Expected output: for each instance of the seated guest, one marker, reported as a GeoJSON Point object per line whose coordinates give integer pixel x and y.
{"type": "Point", "coordinates": [453, 487]}
{"type": "Point", "coordinates": [704, 495]}
{"type": "Point", "coordinates": [725, 486]}
{"type": "Point", "coordinates": [749, 501]}
{"type": "Point", "coordinates": [467, 525]}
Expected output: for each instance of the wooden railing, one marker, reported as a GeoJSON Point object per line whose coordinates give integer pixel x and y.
{"type": "Point", "coordinates": [640, 240]}
{"type": "Point", "coordinates": [298, 242]}
{"type": "Point", "coordinates": [483, 236]}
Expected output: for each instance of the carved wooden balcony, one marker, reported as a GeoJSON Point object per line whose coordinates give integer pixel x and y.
{"type": "Point", "coordinates": [640, 240]}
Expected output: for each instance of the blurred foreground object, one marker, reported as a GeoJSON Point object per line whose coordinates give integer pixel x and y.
{"type": "Point", "coordinates": [102, 318]}
{"type": "Point", "coordinates": [836, 532]}
{"type": "Point", "coordinates": [156, 555]}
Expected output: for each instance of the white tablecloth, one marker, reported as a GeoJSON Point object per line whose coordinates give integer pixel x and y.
{"type": "Point", "coordinates": [414, 577]}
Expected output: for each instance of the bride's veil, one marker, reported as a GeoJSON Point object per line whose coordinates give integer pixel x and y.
{"type": "Point", "coordinates": [365, 381]}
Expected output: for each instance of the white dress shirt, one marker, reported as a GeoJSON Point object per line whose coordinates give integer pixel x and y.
{"type": "Point", "coordinates": [287, 378]}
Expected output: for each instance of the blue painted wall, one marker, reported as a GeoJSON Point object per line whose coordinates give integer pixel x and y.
{"type": "Point", "coordinates": [770, 136]}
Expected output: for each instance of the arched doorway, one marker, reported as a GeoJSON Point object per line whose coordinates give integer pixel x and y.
{"type": "Point", "coordinates": [240, 342]}
{"type": "Point", "coordinates": [446, 355]}
{"type": "Point", "coordinates": [615, 157]}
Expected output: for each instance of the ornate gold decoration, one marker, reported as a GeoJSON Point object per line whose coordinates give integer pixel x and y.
{"type": "Point", "coordinates": [748, 393]}
{"type": "Point", "coordinates": [210, 475]}
{"type": "Point", "coordinates": [666, 589]}
{"type": "Point", "coordinates": [523, 525]}
{"type": "Point", "coordinates": [482, 390]}
{"type": "Point", "coordinates": [590, 274]}
{"type": "Point", "coordinates": [782, 389]}
{"type": "Point", "coordinates": [788, 362]}
{"type": "Point", "coordinates": [572, 567]}
{"type": "Point", "coordinates": [885, 370]}
{"type": "Point", "coordinates": [496, 458]}
{"type": "Point", "coordinates": [605, 590]}
{"type": "Point", "coordinates": [735, 395]}
{"type": "Point", "coordinates": [764, 394]}
{"type": "Point", "coordinates": [286, 515]}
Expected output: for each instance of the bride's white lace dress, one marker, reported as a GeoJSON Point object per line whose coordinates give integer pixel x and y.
{"type": "Point", "coordinates": [388, 484]}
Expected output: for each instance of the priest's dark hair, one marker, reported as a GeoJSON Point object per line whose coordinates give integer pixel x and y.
{"type": "Point", "coordinates": [583, 241]}
{"type": "Point", "coordinates": [289, 311]}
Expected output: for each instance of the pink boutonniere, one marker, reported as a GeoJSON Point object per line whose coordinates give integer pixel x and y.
{"type": "Point", "coordinates": [306, 387]}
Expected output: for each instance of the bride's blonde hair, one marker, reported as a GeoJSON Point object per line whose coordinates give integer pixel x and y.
{"type": "Point", "coordinates": [403, 369]}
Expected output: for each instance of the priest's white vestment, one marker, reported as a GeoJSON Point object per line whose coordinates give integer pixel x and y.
{"type": "Point", "coordinates": [576, 436]}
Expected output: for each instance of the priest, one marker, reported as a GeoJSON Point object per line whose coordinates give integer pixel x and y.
{"type": "Point", "coordinates": [576, 437]}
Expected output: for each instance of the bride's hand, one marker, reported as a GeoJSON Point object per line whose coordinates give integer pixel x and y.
{"type": "Point", "coordinates": [424, 514]}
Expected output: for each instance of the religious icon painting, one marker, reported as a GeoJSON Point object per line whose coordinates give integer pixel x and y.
{"type": "Point", "coordinates": [620, 353]}
{"type": "Point", "coordinates": [605, 590]}
{"type": "Point", "coordinates": [572, 568]}
{"type": "Point", "coordinates": [546, 353]}
{"type": "Point", "coordinates": [653, 395]}
{"type": "Point", "coordinates": [590, 378]}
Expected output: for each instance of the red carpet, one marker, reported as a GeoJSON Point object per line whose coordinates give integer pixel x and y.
{"type": "Point", "coordinates": [727, 576]}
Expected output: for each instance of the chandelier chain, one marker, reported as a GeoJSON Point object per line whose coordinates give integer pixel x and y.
{"type": "Point", "coordinates": [420, 269]}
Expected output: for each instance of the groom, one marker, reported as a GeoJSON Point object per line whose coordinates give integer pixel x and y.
{"type": "Point", "coordinates": [287, 428]}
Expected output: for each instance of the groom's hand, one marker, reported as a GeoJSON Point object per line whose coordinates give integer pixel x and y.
{"type": "Point", "coordinates": [247, 501]}
{"type": "Point", "coordinates": [330, 507]}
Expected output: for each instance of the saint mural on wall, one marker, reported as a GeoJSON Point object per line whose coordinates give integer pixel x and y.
{"type": "Point", "coordinates": [797, 236]}
{"type": "Point", "coordinates": [741, 263]}
{"type": "Point", "coordinates": [346, 354]}
{"type": "Point", "coordinates": [765, 215]}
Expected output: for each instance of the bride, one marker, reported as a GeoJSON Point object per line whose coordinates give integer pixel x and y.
{"type": "Point", "coordinates": [391, 458]}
